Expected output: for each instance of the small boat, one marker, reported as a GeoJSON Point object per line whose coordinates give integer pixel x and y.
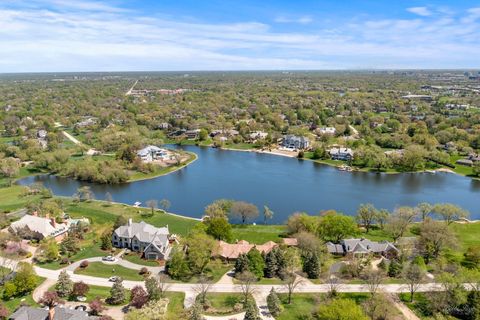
{"type": "Point", "coordinates": [137, 204]}
{"type": "Point", "coordinates": [431, 171]}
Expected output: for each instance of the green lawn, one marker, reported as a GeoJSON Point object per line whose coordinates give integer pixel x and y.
{"type": "Point", "coordinates": [304, 304]}
{"type": "Point", "coordinates": [11, 198]}
{"type": "Point", "coordinates": [241, 146]}
{"type": "Point", "coordinates": [137, 259]}
{"type": "Point", "coordinates": [88, 251]}
{"type": "Point", "coordinates": [223, 303]}
{"type": "Point", "coordinates": [418, 299]}
{"type": "Point", "coordinates": [99, 269]}
{"type": "Point", "coordinates": [175, 305]}
{"type": "Point", "coordinates": [214, 271]}
{"type": "Point", "coordinates": [258, 234]}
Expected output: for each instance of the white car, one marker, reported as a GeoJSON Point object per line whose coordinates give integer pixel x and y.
{"type": "Point", "coordinates": [113, 278]}
{"type": "Point", "coordinates": [109, 258]}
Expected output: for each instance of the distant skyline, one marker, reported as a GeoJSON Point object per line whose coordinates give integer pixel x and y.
{"type": "Point", "coordinates": [64, 35]}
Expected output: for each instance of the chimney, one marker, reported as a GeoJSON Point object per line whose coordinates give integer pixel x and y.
{"type": "Point", "coordinates": [51, 313]}
{"type": "Point", "coordinates": [53, 222]}
{"type": "Point", "coordinates": [35, 213]}
{"type": "Point", "coordinates": [130, 221]}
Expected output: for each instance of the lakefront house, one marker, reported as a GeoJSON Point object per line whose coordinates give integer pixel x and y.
{"type": "Point", "coordinates": [33, 227]}
{"type": "Point", "coordinates": [355, 247]}
{"type": "Point", "coordinates": [295, 142]}
{"type": "Point", "coordinates": [152, 242]}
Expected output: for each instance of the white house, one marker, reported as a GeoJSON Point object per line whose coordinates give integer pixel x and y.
{"type": "Point", "coordinates": [150, 153]}
{"type": "Point", "coordinates": [258, 135]}
{"type": "Point", "coordinates": [294, 142]}
{"type": "Point", "coordinates": [38, 228]}
{"type": "Point", "coordinates": [327, 130]}
{"type": "Point", "coordinates": [341, 153]}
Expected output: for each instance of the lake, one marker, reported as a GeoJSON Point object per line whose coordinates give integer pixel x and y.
{"type": "Point", "coordinates": [284, 184]}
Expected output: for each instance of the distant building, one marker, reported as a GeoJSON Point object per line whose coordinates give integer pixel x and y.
{"type": "Point", "coordinates": [362, 247]}
{"type": "Point", "coordinates": [152, 242]}
{"type": "Point", "coordinates": [327, 130]}
{"type": "Point", "coordinates": [295, 142]}
{"type": "Point", "coordinates": [192, 134]}
{"type": "Point", "coordinates": [345, 154]}
{"type": "Point", "coordinates": [150, 153]}
{"type": "Point", "coordinates": [163, 126]}
{"type": "Point", "coordinates": [87, 122]}
{"type": "Point", "coordinates": [258, 135]}
{"type": "Point", "coordinates": [418, 97]}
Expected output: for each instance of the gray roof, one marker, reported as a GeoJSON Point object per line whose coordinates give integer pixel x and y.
{"type": "Point", "coordinates": [144, 232]}
{"type": "Point", "coordinates": [61, 313]}
{"type": "Point", "coordinates": [360, 246]}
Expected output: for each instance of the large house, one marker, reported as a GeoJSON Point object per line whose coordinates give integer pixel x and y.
{"type": "Point", "coordinates": [362, 246]}
{"type": "Point", "coordinates": [32, 227]}
{"type": "Point", "coordinates": [345, 154]}
{"type": "Point", "coordinates": [231, 251]}
{"type": "Point", "coordinates": [150, 153]}
{"type": "Point", "coordinates": [152, 242]}
{"type": "Point", "coordinates": [56, 313]}
{"type": "Point", "coordinates": [295, 142]}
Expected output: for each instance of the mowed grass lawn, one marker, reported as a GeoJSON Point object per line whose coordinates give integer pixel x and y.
{"type": "Point", "coordinates": [88, 250]}
{"type": "Point", "coordinates": [102, 270]}
{"type": "Point", "coordinates": [137, 259]}
{"type": "Point", "coordinates": [14, 303]}
{"type": "Point", "coordinates": [258, 234]}
{"type": "Point", "coordinates": [304, 304]}
{"type": "Point", "coordinates": [223, 303]}
{"type": "Point", "coordinates": [11, 198]}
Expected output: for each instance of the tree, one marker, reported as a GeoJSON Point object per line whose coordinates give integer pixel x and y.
{"type": "Point", "coordinates": [413, 276]}
{"type": "Point", "coordinates": [138, 297]}
{"type": "Point", "coordinates": [476, 169]}
{"type": "Point", "coordinates": [51, 251]}
{"type": "Point", "coordinates": [96, 306]}
{"type": "Point", "coordinates": [4, 312]}
{"type": "Point", "coordinates": [366, 215]}
{"type": "Point", "coordinates": [243, 210]}
{"type": "Point", "coordinates": [334, 283]}
{"type": "Point", "coordinates": [85, 193]}
{"type": "Point", "coordinates": [117, 293]}
{"type": "Point", "coordinates": [382, 216]}
{"type": "Point", "coordinates": [152, 204]}
{"type": "Point", "coordinates": [80, 289]}
{"type": "Point", "coordinates": [471, 258]}
{"type": "Point", "coordinates": [290, 282]}
{"type": "Point", "coordinates": [256, 264]}
{"type": "Point", "coordinates": [108, 197]}
{"type": "Point", "coordinates": [434, 237]}
{"type": "Point", "coordinates": [271, 265]}
{"type": "Point", "coordinates": [247, 279]}
{"type": "Point", "coordinates": [394, 268]}
{"type": "Point", "coordinates": [312, 265]}
{"type": "Point", "coordinates": [251, 311]}
{"type": "Point", "coordinates": [119, 221]}
{"type": "Point", "coordinates": [449, 212]}
{"type": "Point", "coordinates": [25, 279]}
{"type": "Point", "coordinates": [335, 227]}
{"type": "Point", "coordinates": [69, 246]}
{"type": "Point", "coordinates": [340, 309]}
{"type": "Point", "coordinates": [177, 266]}
{"type": "Point", "coordinates": [106, 240]}
{"type": "Point", "coordinates": [219, 208]}
{"type": "Point", "coordinates": [219, 228]}
{"type": "Point", "coordinates": [373, 279]}
{"type": "Point", "coordinates": [50, 299]}
{"type": "Point", "coordinates": [202, 289]}
{"type": "Point", "coordinates": [200, 249]}
{"type": "Point", "coordinates": [165, 204]}
{"type": "Point", "coordinates": [9, 167]}
{"type": "Point", "coordinates": [195, 312]}
{"type": "Point", "coordinates": [267, 214]}
{"type": "Point", "coordinates": [273, 303]}
{"type": "Point", "coordinates": [398, 222]}
{"type": "Point", "coordinates": [292, 262]}
{"type": "Point", "coordinates": [425, 209]}
{"type": "Point", "coordinates": [64, 285]}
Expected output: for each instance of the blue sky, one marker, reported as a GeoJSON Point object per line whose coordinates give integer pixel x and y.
{"type": "Point", "coordinates": [120, 35]}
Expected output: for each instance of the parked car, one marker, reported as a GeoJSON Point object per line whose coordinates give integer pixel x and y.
{"type": "Point", "coordinates": [109, 258]}
{"type": "Point", "coordinates": [113, 278]}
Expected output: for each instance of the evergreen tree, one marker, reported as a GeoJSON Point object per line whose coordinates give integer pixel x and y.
{"type": "Point", "coordinates": [256, 264]}
{"type": "Point", "coordinates": [117, 293]}
{"type": "Point", "coordinates": [251, 311]}
{"type": "Point", "coordinates": [271, 266]}
{"type": "Point", "coordinates": [273, 303]}
{"type": "Point", "coordinates": [281, 261]}
{"type": "Point", "coordinates": [64, 285]}
{"type": "Point", "coordinates": [195, 312]}
{"type": "Point", "coordinates": [394, 269]}
{"type": "Point", "coordinates": [241, 265]}
{"type": "Point", "coordinates": [312, 266]}
{"type": "Point", "coordinates": [473, 303]}
{"type": "Point", "coordinates": [106, 240]}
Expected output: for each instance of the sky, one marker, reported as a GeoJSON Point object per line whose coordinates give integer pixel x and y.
{"type": "Point", "coordinates": [148, 35]}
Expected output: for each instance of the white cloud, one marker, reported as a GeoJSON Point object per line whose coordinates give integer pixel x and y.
{"type": "Point", "coordinates": [421, 11]}
{"type": "Point", "coordinates": [300, 20]}
{"type": "Point", "coordinates": [103, 38]}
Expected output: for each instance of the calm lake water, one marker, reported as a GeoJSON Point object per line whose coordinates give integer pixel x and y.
{"type": "Point", "coordinates": [286, 185]}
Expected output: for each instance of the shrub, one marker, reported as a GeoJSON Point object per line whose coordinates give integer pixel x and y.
{"type": "Point", "coordinates": [84, 264]}
{"type": "Point", "coordinates": [64, 260]}
{"type": "Point", "coordinates": [80, 289]}
{"type": "Point", "coordinates": [144, 271]}
{"type": "Point", "coordinates": [9, 290]}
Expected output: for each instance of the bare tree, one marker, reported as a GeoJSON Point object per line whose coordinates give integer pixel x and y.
{"type": "Point", "coordinates": [290, 283]}
{"type": "Point", "coordinates": [449, 212]}
{"type": "Point", "coordinates": [108, 197]}
{"type": "Point", "coordinates": [244, 210]}
{"type": "Point", "coordinates": [374, 278]}
{"type": "Point", "coordinates": [413, 275]}
{"type": "Point", "coordinates": [334, 283]}
{"type": "Point", "coordinates": [163, 284]}
{"type": "Point", "coordinates": [152, 204]}
{"type": "Point", "coordinates": [398, 222]}
{"type": "Point", "coordinates": [247, 279]}
{"type": "Point", "coordinates": [165, 204]}
{"type": "Point", "coordinates": [267, 214]}
{"type": "Point", "coordinates": [202, 289]}
{"type": "Point", "coordinates": [424, 209]}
